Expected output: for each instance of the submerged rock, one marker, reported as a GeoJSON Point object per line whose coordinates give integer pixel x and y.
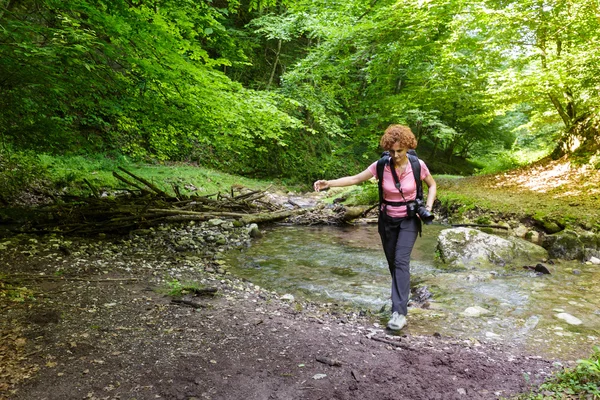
{"type": "Point", "coordinates": [471, 248]}
{"type": "Point", "coordinates": [539, 268]}
{"type": "Point", "coordinates": [253, 231]}
{"type": "Point", "coordinates": [475, 311]}
{"type": "Point", "coordinates": [569, 319]}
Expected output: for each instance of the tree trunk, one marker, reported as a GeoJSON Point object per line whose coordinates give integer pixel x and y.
{"type": "Point", "coordinates": [450, 150]}
{"type": "Point", "coordinates": [435, 146]}
{"type": "Point", "coordinates": [275, 64]}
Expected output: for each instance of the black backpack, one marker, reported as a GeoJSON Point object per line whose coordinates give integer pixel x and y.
{"type": "Point", "coordinates": [416, 167]}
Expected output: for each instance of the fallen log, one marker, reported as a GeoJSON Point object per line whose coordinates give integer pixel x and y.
{"type": "Point", "coordinates": [269, 217]}
{"type": "Point", "coordinates": [92, 188]}
{"type": "Point", "coordinates": [147, 183]}
{"type": "Point", "coordinates": [128, 182]}
{"type": "Point", "coordinates": [147, 205]}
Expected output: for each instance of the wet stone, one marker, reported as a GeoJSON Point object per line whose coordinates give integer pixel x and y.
{"type": "Point", "coordinates": [569, 319]}
{"type": "Point", "coordinates": [287, 297]}
{"type": "Point", "coordinates": [476, 311]}
{"type": "Point", "coordinates": [215, 222]}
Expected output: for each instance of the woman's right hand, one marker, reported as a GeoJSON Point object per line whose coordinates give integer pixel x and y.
{"type": "Point", "coordinates": [320, 185]}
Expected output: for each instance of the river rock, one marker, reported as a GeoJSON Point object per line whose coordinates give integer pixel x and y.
{"type": "Point", "coordinates": [521, 231]}
{"type": "Point", "coordinates": [287, 297]}
{"type": "Point", "coordinates": [470, 248]}
{"type": "Point", "coordinates": [531, 322]}
{"type": "Point", "coordinates": [475, 311]}
{"type": "Point", "coordinates": [572, 245]}
{"type": "Point", "coordinates": [533, 237]}
{"type": "Point", "coordinates": [253, 231]}
{"type": "Point", "coordinates": [569, 319]}
{"type": "Point", "coordinates": [594, 260]}
{"type": "Point", "coordinates": [549, 225]}
{"type": "Point", "coordinates": [215, 222]}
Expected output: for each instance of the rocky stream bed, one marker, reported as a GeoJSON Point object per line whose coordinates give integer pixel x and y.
{"type": "Point", "coordinates": [91, 318]}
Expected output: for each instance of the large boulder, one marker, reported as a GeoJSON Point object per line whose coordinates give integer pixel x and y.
{"type": "Point", "coordinates": [470, 248]}
{"type": "Point", "coordinates": [572, 245]}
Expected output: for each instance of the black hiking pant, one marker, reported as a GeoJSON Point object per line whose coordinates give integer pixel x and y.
{"type": "Point", "coordinates": [398, 236]}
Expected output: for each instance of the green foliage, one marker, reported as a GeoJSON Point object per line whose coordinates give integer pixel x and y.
{"type": "Point", "coordinates": [417, 71]}
{"type": "Point", "coordinates": [542, 55]}
{"type": "Point", "coordinates": [498, 161]}
{"type": "Point", "coordinates": [15, 293]}
{"type": "Point", "coordinates": [176, 288]}
{"type": "Point", "coordinates": [581, 382]}
{"type": "Point", "coordinates": [300, 90]}
{"type": "Point", "coordinates": [365, 194]}
{"type": "Point", "coordinates": [20, 172]}
{"type": "Point", "coordinates": [142, 79]}
{"type": "Point", "coordinates": [483, 220]}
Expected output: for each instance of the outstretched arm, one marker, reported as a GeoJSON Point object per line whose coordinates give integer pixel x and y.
{"type": "Point", "coordinates": [431, 192]}
{"type": "Point", "coordinates": [345, 181]}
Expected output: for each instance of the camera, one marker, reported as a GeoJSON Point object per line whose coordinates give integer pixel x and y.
{"type": "Point", "coordinates": [411, 209]}
{"type": "Point", "coordinates": [422, 211]}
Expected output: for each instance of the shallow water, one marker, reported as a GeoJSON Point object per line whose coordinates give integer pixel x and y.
{"type": "Point", "coordinates": [347, 265]}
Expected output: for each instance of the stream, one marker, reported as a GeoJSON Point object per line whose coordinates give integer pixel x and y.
{"type": "Point", "coordinates": [346, 265]}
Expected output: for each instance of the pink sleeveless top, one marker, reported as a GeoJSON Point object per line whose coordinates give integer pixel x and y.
{"type": "Point", "coordinates": [407, 182]}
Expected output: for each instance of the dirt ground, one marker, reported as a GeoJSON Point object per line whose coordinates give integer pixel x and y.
{"type": "Point", "coordinates": [90, 319]}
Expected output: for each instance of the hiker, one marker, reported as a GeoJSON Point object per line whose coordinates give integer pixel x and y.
{"type": "Point", "coordinates": [400, 213]}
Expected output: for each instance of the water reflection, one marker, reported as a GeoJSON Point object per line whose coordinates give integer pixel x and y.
{"type": "Point", "coordinates": [348, 265]}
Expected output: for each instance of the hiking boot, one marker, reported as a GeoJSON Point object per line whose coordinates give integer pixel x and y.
{"type": "Point", "coordinates": [397, 322]}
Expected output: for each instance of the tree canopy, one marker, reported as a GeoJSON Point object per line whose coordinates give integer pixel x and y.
{"type": "Point", "coordinates": [298, 89]}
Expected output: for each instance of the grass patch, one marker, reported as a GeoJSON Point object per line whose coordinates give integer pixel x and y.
{"type": "Point", "coordinates": [176, 288]}
{"type": "Point", "coordinates": [66, 174]}
{"type": "Point", "coordinates": [98, 170]}
{"type": "Point", "coordinates": [19, 171]}
{"type": "Point", "coordinates": [580, 382]}
{"type": "Point", "coordinates": [523, 193]}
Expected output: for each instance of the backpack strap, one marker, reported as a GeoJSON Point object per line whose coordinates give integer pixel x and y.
{"type": "Point", "coordinates": [383, 161]}
{"type": "Point", "coordinates": [416, 167]}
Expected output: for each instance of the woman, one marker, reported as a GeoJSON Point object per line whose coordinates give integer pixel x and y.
{"type": "Point", "coordinates": [398, 232]}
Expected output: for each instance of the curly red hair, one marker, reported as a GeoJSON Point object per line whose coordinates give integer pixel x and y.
{"type": "Point", "coordinates": [400, 134]}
